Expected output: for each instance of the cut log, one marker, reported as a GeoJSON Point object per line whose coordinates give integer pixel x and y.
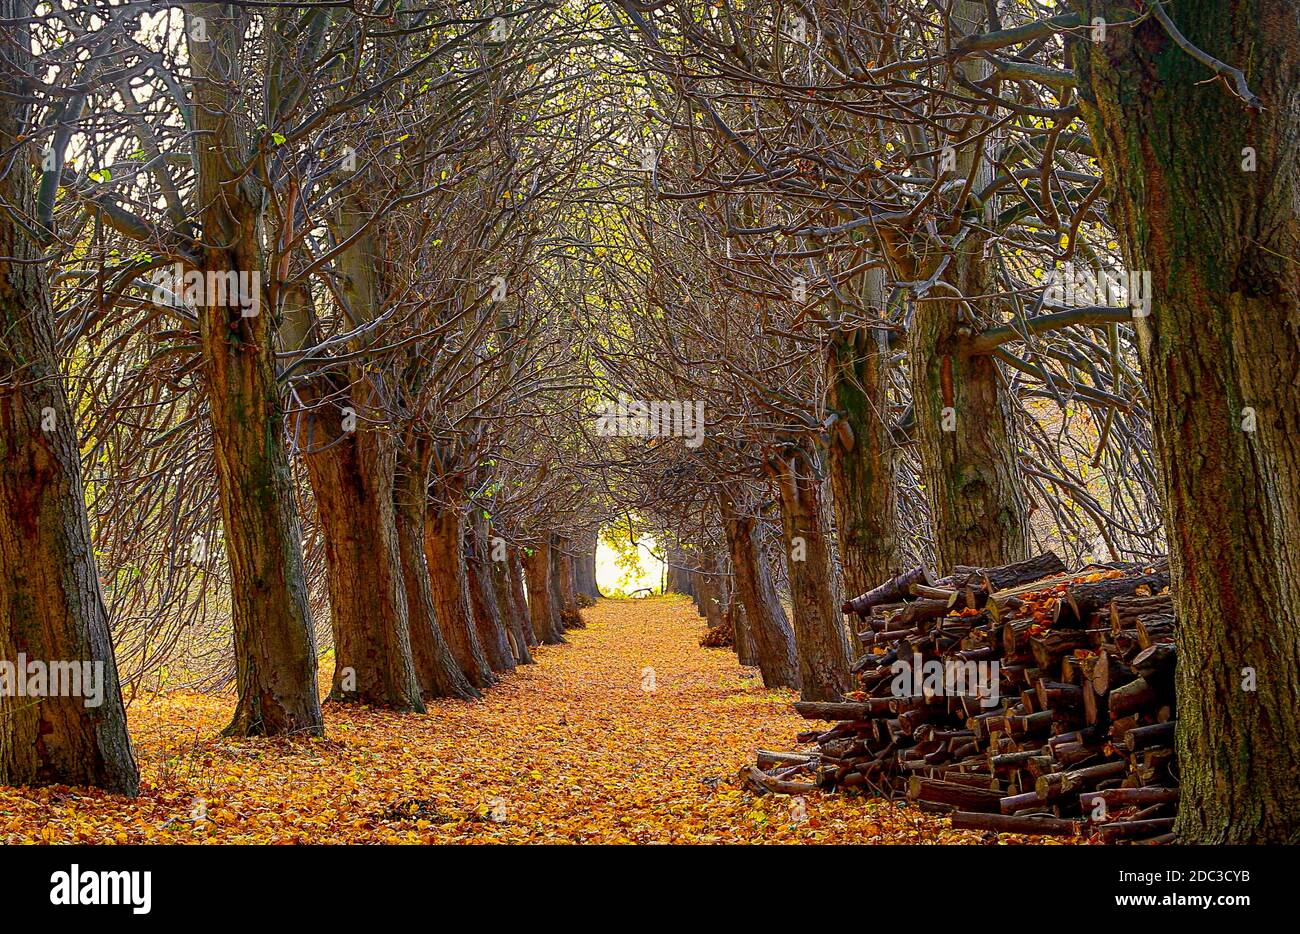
{"type": "Point", "coordinates": [1116, 798]}
{"type": "Point", "coordinates": [1153, 628]}
{"type": "Point", "coordinates": [767, 758]}
{"type": "Point", "coordinates": [1054, 693]}
{"type": "Point", "coordinates": [1049, 647]}
{"type": "Point", "coordinates": [763, 782]}
{"type": "Point", "coordinates": [892, 590]}
{"type": "Point", "coordinates": [919, 612]}
{"type": "Point", "coordinates": [1124, 611]}
{"type": "Point", "coordinates": [1018, 802]}
{"type": "Point", "coordinates": [1134, 829]}
{"type": "Point", "coordinates": [1058, 783]}
{"type": "Point", "coordinates": [845, 710]}
{"type": "Point", "coordinates": [964, 797]}
{"type": "Point", "coordinates": [1144, 737]}
{"type": "Point", "coordinates": [1109, 672]}
{"type": "Point", "coordinates": [1156, 659]}
{"type": "Point", "coordinates": [1135, 695]}
{"type": "Point", "coordinates": [1004, 823]}
{"type": "Point", "coordinates": [1085, 599]}
{"type": "Point", "coordinates": [1021, 572]}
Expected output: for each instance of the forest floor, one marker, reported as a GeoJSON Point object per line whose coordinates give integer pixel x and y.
{"type": "Point", "coordinates": [572, 749]}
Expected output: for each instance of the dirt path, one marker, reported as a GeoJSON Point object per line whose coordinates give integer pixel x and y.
{"type": "Point", "coordinates": [574, 748]}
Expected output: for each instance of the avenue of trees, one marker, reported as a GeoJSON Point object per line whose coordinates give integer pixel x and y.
{"type": "Point", "coordinates": [312, 315]}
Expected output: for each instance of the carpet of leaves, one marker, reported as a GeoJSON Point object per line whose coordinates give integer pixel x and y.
{"type": "Point", "coordinates": [572, 749]}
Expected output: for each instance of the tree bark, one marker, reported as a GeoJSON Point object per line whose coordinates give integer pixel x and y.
{"type": "Point", "coordinates": [562, 594]}
{"type": "Point", "coordinates": [483, 599]}
{"type": "Point", "coordinates": [519, 597]}
{"type": "Point", "coordinates": [436, 668]}
{"type": "Point", "coordinates": [821, 639]}
{"type": "Point", "coordinates": [512, 615]}
{"type": "Point", "coordinates": [701, 593]}
{"type": "Point", "coordinates": [352, 476]}
{"type": "Point", "coordinates": [968, 456]}
{"type": "Point", "coordinates": [764, 618]}
{"type": "Point", "coordinates": [711, 596]}
{"type": "Point", "coordinates": [861, 453]}
{"type": "Point", "coordinates": [1219, 352]}
{"type": "Point", "coordinates": [964, 423]}
{"type": "Point", "coordinates": [746, 651]}
{"type": "Point", "coordinates": [444, 549]}
{"type": "Point", "coordinates": [679, 572]}
{"type": "Point", "coordinates": [541, 602]}
{"type": "Point", "coordinates": [586, 567]}
{"type": "Point", "coordinates": [275, 651]}
{"type": "Point", "coordinates": [51, 606]}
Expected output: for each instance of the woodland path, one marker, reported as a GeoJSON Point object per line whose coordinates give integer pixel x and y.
{"type": "Point", "coordinates": [571, 749]}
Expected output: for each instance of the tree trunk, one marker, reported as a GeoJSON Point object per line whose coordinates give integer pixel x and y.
{"type": "Point", "coordinates": [701, 593]}
{"type": "Point", "coordinates": [352, 473]}
{"type": "Point", "coordinates": [519, 597]}
{"type": "Point", "coordinates": [679, 572]}
{"type": "Point", "coordinates": [964, 423]}
{"type": "Point", "coordinates": [51, 606]}
{"type": "Point", "coordinates": [444, 537]}
{"type": "Point", "coordinates": [586, 566]}
{"type": "Point", "coordinates": [968, 457]}
{"type": "Point", "coordinates": [764, 617]}
{"type": "Point", "coordinates": [710, 595]}
{"type": "Point", "coordinates": [541, 603]}
{"type": "Point", "coordinates": [746, 652]}
{"type": "Point", "coordinates": [275, 651]}
{"type": "Point", "coordinates": [562, 595]}
{"type": "Point", "coordinates": [436, 669]}
{"type": "Point", "coordinates": [861, 453]}
{"type": "Point", "coordinates": [1219, 350]}
{"type": "Point", "coordinates": [569, 582]}
{"type": "Point", "coordinates": [511, 614]}
{"type": "Point", "coordinates": [483, 598]}
{"type": "Point", "coordinates": [821, 640]}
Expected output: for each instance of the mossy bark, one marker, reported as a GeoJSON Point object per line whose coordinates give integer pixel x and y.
{"type": "Point", "coordinates": [860, 460]}
{"type": "Point", "coordinates": [51, 606]}
{"type": "Point", "coordinates": [275, 651]}
{"type": "Point", "coordinates": [1221, 358]}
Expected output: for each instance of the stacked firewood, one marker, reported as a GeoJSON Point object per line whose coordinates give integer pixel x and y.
{"type": "Point", "coordinates": [1070, 732]}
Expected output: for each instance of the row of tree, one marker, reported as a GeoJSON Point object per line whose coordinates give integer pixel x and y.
{"type": "Point", "coordinates": [949, 282]}
{"type": "Point", "coordinates": [269, 267]}
{"type": "Point", "coordinates": [957, 282]}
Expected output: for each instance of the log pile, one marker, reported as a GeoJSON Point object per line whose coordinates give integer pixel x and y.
{"type": "Point", "coordinates": [1070, 731]}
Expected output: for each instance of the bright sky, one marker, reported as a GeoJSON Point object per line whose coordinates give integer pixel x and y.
{"type": "Point", "coordinates": [610, 577]}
